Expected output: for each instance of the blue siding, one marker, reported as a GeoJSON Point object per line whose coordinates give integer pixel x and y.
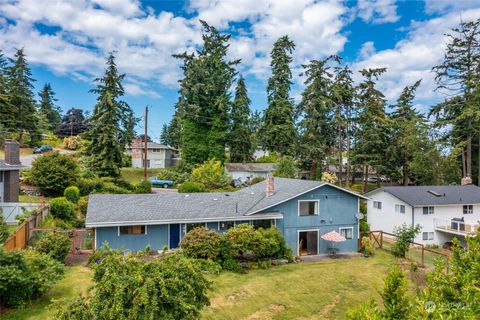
{"type": "Point", "coordinates": [337, 209]}
{"type": "Point", "coordinates": [157, 237]}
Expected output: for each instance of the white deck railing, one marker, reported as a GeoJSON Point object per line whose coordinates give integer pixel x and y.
{"type": "Point", "coordinates": [454, 226]}
{"type": "Point", "coordinates": [12, 209]}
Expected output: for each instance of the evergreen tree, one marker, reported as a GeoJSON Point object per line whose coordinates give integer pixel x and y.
{"type": "Point", "coordinates": [165, 136]}
{"type": "Point", "coordinates": [48, 108]}
{"type": "Point", "coordinates": [458, 75]}
{"type": "Point", "coordinates": [344, 95]}
{"type": "Point", "coordinates": [255, 123]}
{"type": "Point", "coordinates": [20, 86]}
{"type": "Point", "coordinates": [73, 123]}
{"type": "Point", "coordinates": [110, 123]}
{"type": "Point", "coordinates": [204, 98]}
{"type": "Point", "coordinates": [371, 136]}
{"type": "Point", "coordinates": [7, 110]}
{"type": "Point", "coordinates": [240, 135]}
{"type": "Point", "coordinates": [278, 132]}
{"type": "Point", "coordinates": [317, 132]}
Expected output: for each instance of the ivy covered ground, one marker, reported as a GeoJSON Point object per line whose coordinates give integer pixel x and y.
{"type": "Point", "coordinates": [321, 290]}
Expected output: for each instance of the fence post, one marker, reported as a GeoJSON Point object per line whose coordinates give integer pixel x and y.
{"type": "Point", "coordinates": [423, 256]}
{"type": "Point", "coordinates": [381, 239]}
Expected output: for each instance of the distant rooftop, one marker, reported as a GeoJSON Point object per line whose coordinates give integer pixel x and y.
{"type": "Point", "coordinates": [151, 145]}
{"type": "Point", "coordinates": [250, 167]}
{"type": "Point", "coordinates": [435, 195]}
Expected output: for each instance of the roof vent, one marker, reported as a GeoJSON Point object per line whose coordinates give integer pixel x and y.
{"type": "Point", "coordinates": [187, 195]}
{"type": "Point", "coordinates": [436, 194]}
{"type": "Point", "coordinates": [252, 192]}
{"type": "Point", "coordinates": [215, 199]}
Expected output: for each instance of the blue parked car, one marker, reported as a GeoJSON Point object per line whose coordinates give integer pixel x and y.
{"type": "Point", "coordinates": [43, 149]}
{"type": "Point", "coordinates": [160, 182]}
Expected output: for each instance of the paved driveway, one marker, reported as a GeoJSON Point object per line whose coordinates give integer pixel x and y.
{"type": "Point", "coordinates": [28, 159]}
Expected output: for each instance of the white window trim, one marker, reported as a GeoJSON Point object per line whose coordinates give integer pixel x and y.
{"type": "Point", "coordinates": [428, 210]}
{"type": "Point", "coordinates": [345, 228]}
{"type": "Point", "coordinates": [468, 211]}
{"type": "Point", "coordinates": [428, 235]}
{"type": "Point", "coordinates": [376, 207]}
{"type": "Point", "coordinates": [308, 230]}
{"type": "Point", "coordinates": [400, 208]}
{"type": "Point", "coordinates": [308, 215]}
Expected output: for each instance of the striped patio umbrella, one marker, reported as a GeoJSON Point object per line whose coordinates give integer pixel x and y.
{"type": "Point", "coordinates": [333, 236]}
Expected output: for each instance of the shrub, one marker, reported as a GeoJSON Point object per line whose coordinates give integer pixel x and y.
{"type": "Point", "coordinates": [61, 208]}
{"type": "Point", "coordinates": [231, 264]}
{"type": "Point", "coordinates": [72, 194]}
{"type": "Point", "coordinates": [73, 143]}
{"type": "Point", "coordinates": [73, 309]}
{"type": "Point", "coordinates": [256, 180]}
{"type": "Point", "coordinates": [329, 177]}
{"type": "Point", "coordinates": [122, 183]}
{"type": "Point", "coordinates": [83, 205]}
{"type": "Point", "coordinates": [3, 228]}
{"type": "Point", "coordinates": [211, 174]}
{"type": "Point", "coordinates": [286, 168]}
{"type": "Point", "coordinates": [404, 235]}
{"type": "Point", "coordinates": [144, 187]}
{"type": "Point", "coordinates": [109, 187]}
{"type": "Point", "coordinates": [241, 238]}
{"type": "Point", "coordinates": [89, 185]}
{"type": "Point", "coordinates": [53, 172]}
{"type": "Point", "coordinates": [267, 242]}
{"type": "Point", "coordinates": [25, 275]}
{"type": "Point", "coordinates": [368, 247]}
{"type": "Point", "coordinates": [56, 245]}
{"type": "Point", "coordinates": [128, 288]}
{"type": "Point", "coordinates": [191, 187]}
{"type": "Point", "coordinates": [202, 243]}
{"type": "Point", "coordinates": [364, 226]}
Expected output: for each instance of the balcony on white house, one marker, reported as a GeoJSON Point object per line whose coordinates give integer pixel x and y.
{"type": "Point", "coordinates": [455, 226]}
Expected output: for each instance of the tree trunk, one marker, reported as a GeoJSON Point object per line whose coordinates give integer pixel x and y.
{"type": "Point", "coordinates": [340, 157]}
{"type": "Point", "coordinates": [365, 178]}
{"type": "Point", "coordinates": [469, 149]}
{"type": "Point", "coordinates": [478, 182]}
{"type": "Point", "coordinates": [464, 170]}
{"type": "Point", "coordinates": [348, 154]}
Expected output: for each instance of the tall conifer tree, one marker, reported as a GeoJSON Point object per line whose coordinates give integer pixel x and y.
{"type": "Point", "coordinates": [110, 123]}
{"type": "Point", "coordinates": [317, 132]}
{"type": "Point", "coordinates": [20, 91]}
{"type": "Point", "coordinates": [7, 110]}
{"type": "Point", "coordinates": [47, 107]}
{"type": "Point", "coordinates": [278, 131]}
{"type": "Point", "coordinates": [240, 139]}
{"type": "Point", "coordinates": [204, 98]}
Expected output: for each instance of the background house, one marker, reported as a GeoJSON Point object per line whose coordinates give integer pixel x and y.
{"type": "Point", "coordinates": [248, 171]}
{"type": "Point", "coordinates": [10, 173]}
{"type": "Point", "coordinates": [443, 212]}
{"type": "Point", "coordinates": [158, 155]}
{"type": "Point", "coordinates": [302, 210]}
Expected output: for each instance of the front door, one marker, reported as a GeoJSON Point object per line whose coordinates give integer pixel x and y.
{"type": "Point", "coordinates": [174, 235]}
{"type": "Point", "coordinates": [308, 243]}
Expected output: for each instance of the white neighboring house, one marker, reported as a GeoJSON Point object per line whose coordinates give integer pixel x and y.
{"type": "Point", "coordinates": [158, 155]}
{"type": "Point", "coordinates": [248, 171]}
{"type": "Point", "coordinates": [443, 212]}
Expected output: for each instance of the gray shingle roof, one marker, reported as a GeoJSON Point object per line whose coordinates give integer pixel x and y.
{"type": "Point", "coordinates": [117, 209]}
{"type": "Point", "coordinates": [447, 195]}
{"type": "Point", "coordinates": [251, 167]}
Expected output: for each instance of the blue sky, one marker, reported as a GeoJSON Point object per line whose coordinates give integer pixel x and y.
{"type": "Point", "coordinates": [66, 42]}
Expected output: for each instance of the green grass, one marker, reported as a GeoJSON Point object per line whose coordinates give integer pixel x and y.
{"type": "Point", "coordinates": [135, 175]}
{"type": "Point", "coordinates": [11, 228]}
{"type": "Point", "coordinates": [77, 281]}
{"type": "Point", "coordinates": [358, 186]}
{"type": "Point", "coordinates": [31, 199]}
{"type": "Point", "coordinates": [321, 290]}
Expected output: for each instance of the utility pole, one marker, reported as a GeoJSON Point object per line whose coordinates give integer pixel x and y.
{"type": "Point", "coordinates": [145, 158]}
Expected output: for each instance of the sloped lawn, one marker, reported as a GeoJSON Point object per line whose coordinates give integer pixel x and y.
{"type": "Point", "coordinates": [76, 282]}
{"type": "Point", "coordinates": [317, 290]}
{"type": "Point", "coordinates": [321, 290]}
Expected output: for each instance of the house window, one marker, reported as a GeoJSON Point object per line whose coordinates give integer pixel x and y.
{"type": "Point", "coordinates": [468, 209]}
{"type": "Point", "coordinates": [237, 223]}
{"type": "Point", "coordinates": [191, 226]}
{"type": "Point", "coordinates": [124, 230]}
{"type": "Point", "coordinates": [427, 235]}
{"type": "Point", "coordinates": [225, 225]}
{"type": "Point", "coordinates": [262, 224]}
{"type": "Point", "coordinates": [377, 205]}
{"type": "Point", "coordinates": [400, 208]}
{"type": "Point", "coordinates": [428, 210]}
{"type": "Point", "coordinates": [347, 232]}
{"type": "Point", "coordinates": [307, 207]}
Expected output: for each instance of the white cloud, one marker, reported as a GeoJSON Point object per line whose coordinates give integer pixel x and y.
{"type": "Point", "coordinates": [378, 11]}
{"type": "Point", "coordinates": [444, 6]}
{"type": "Point", "coordinates": [367, 50]}
{"type": "Point", "coordinates": [413, 57]}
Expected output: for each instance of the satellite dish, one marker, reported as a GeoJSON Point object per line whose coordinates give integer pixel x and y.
{"type": "Point", "coordinates": [360, 216]}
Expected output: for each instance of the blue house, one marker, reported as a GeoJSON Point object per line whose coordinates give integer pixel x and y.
{"type": "Point", "coordinates": [302, 210]}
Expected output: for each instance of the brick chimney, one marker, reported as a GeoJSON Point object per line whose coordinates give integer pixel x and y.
{"type": "Point", "coordinates": [466, 180]}
{"type": "Point", "coordinates": [270, 186]}
{"type": "Point", "coordinates": [12, 152]}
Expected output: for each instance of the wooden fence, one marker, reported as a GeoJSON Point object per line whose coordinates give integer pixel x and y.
{"type": "Point", "coordinates": [425, 257]}
{"type": "Point", "coordinates": [19, 239]}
